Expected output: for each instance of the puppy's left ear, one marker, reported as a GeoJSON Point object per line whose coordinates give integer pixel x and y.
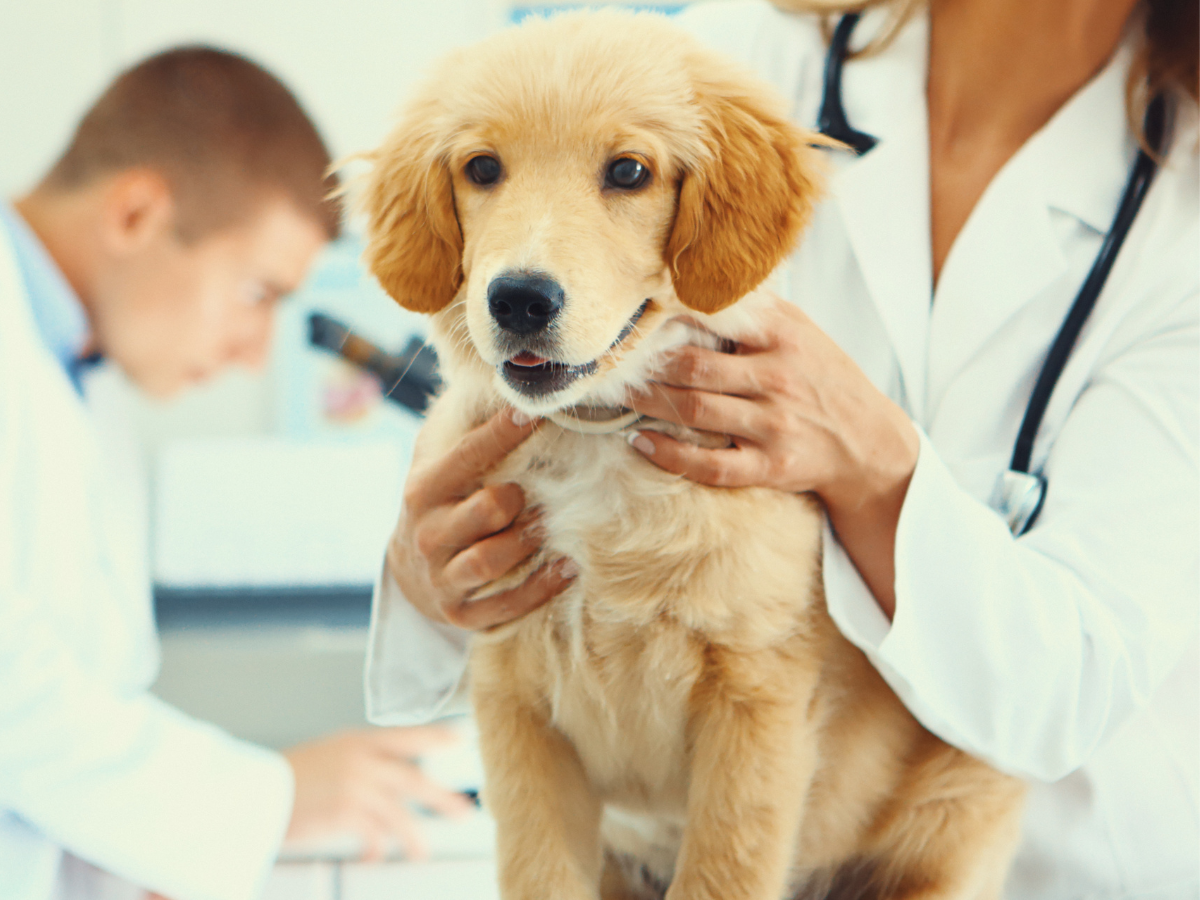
{"type": "Point", "coordinates": [414, 243]}
{"type": "Point", "coordinates": [742, 207]}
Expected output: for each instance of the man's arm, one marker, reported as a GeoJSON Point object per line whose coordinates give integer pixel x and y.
{"type": "Point", "coordinates": [125, 781]}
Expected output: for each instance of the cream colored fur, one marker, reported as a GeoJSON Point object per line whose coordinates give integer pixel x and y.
{"type": "Point", "coordinates": [685, 712]}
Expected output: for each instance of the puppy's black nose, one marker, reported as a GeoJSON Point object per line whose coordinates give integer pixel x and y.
{"type": "Point", "coordinates": [524, 304]}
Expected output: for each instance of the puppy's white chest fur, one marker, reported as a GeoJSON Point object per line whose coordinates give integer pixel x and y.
{"type": "Point", "coordinates": [620, 664]}
{"type": "Point", "coordinates": [623, 647]}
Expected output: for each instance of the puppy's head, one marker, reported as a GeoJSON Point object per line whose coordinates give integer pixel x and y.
{"type": "Point", "coordinates": [558, 193]}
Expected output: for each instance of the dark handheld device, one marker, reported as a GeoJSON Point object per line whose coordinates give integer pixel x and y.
{"type": "Point", "coordinates": [409, 378]}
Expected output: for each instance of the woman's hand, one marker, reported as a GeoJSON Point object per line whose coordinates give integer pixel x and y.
{"type": "Point", "coordinates": [361, 782]}
{"type": "Point", "coordinates": [455, 535]}
{"type": "Point", "coordinates": [800, 416]}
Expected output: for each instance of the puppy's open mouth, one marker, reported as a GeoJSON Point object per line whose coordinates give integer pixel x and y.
{"type": "Point", "coordinates": [531, 374]}
{"type": "Point", "coordinates": [536, 376]}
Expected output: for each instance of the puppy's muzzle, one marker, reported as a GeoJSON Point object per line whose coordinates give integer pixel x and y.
{"type": "Point", "coordinates": [524, 304]}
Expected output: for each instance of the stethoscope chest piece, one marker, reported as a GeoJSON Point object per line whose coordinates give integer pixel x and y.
{"type": "Point", "coordinates": [1018, 498]}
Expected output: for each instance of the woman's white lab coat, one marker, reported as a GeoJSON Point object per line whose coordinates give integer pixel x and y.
{"type": "Point", "coordinates": [1068, 656]}
{"type": "Point", "coordinates": [90, 761]}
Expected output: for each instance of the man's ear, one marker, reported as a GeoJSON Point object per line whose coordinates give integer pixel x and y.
{"type": "Point", "coordinates": [137, 206]}
{"type": "Point", "coordinates": [740, 209]}
{"type": "Point", "coordinates": [414, 243]}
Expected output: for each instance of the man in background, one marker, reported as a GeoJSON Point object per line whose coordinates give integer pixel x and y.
{"type": "Point", "coordinates": [191, 199]}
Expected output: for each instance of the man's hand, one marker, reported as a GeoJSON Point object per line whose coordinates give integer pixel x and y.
{"type": "Point", "coordinates": [360, 782]}
{"type": "Point", "coordinates": [455, 535]}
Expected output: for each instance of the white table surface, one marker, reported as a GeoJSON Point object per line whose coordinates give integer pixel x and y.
{"type": "Point", "coordinates": [463, 879]}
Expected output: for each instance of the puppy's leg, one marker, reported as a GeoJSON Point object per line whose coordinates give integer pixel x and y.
{"type": "Point", "coordinates": [547, 815]}
{"type": "Point", "coordinates": [951, 831]}
{"type": "Point", "coordinates": [753, 758]}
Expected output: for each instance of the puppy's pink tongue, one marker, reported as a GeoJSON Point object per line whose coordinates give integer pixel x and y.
{"type": "Point", "coordinates": [525, 358]}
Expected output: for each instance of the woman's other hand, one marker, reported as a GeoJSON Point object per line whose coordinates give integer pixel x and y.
{"type": "Point", "coordinates": [801, 416]}
{"type": "Point", "coordinates": [456, 535]}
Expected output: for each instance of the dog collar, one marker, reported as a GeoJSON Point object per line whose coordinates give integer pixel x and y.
{"type": "Point", "coordinates": [593, 420]}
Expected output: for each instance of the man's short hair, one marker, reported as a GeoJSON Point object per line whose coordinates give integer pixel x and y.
{"type": "Point", "coordinates": [221, 130]}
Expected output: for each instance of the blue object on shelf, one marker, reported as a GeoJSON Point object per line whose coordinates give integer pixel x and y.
{"type": "Point", "coordinates": [520, 11]}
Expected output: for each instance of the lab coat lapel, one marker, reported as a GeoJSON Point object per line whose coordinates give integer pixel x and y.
{"type": "Point", "coordinates": [1006, 254]}
{"type": "Point", "coordinates": [883, 197]}
{"type": "Point", "coordinates": [1009, 252]}
{"type": "Point", "coordinates": [884, 202]}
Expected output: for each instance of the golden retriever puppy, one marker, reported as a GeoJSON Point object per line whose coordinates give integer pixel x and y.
{"type": "Point", "coordinates": [570, 200]}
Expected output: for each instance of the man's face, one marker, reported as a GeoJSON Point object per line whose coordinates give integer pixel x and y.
{"type": "Point", "coordinates": [182, 312]}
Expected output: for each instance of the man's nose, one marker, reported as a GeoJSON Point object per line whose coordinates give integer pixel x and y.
{"type": "Point", "coordinates": [524, 303]}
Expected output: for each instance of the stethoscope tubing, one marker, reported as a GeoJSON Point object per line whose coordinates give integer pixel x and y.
{"type": "Point", "coordinates": [1140, 178]}
{"type": "Point", "coordinates": [832, 122]}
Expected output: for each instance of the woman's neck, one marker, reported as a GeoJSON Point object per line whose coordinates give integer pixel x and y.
{"type": "Point", "coordinates": [998, 71]}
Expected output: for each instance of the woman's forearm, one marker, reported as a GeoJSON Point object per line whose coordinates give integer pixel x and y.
{"type": "Point", "coordinates": [864, 507]}
{"type": "Point", "coordinates": [867, 531]}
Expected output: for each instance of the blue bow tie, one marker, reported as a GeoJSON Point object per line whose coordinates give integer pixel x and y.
{"type": "Point", "coordinates": [81, 365]}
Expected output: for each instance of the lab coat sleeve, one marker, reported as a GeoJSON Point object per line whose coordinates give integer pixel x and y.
{"type": "Point", "coordinates": [126, 782]}
{"type": "Point", "coordinates": [1028, 652]}
{"type": "Point", "coordinates": [414, 666]}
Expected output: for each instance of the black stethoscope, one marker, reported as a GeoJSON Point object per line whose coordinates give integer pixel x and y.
{"type": "Point", "coordinates": [1019, 493]}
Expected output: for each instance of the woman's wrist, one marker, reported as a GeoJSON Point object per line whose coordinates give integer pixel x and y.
{"type": "Point", "coordinates": [865, 501]}
{"type": "Point", "coordinates": [878, 462]}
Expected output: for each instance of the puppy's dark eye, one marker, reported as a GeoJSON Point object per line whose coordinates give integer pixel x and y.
{"type": "Point", "coordinates": [484, 170]}
{"type": "Point", "coordinates": [626, 174]}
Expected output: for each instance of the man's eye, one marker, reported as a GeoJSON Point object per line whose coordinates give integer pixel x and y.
{"type": "Point", "coordinates": [254, 293]}
{"type": "Point", "coordinates": [484, 170]}
{"type": "Point", "coordinates": [626, 174]}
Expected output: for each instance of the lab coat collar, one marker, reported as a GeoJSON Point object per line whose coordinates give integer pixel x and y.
{"type": "Point", "coordinates": [883, 197]}
{"type": "Point", "coordinates": [60, 317]}
{"type": "Point", "coordinates": [1086, 150]}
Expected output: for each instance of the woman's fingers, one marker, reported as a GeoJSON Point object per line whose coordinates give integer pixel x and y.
{"type": "Point", "coordinates": [699, 409]}
{"type": "Point", "coordinates": [457, 473]}
{"type": "Point", "coordinates": [448, 530]}
{"type": "Point", "coordinates": [489, 612]}
{"type": "Point", "coordinates": [490, 510]}
{"type": "Point", "coordinates": [492, 557]}
{"type": "Point", "coordinates": [713, 371]}
{"type": "Point", "coordinates": [732, 467]}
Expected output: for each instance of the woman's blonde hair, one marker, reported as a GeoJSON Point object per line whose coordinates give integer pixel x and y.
{"type": "Point", "coordinates": [1168, 55]}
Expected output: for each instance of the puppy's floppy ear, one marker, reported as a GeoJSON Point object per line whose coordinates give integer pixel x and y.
{"type": "Point", "coordinates": [414, 243]}
{"type": "Point", "coordinates": [742, 207]}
